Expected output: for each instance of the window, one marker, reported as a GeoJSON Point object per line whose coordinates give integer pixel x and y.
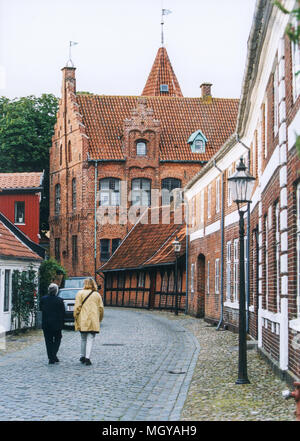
{"type": "Point", "coordinates": [109, 192]}
{"type": "Point", "coordinates": [276, 100]}
{"type": "Point", "coordinates": [141, 191]}
{"type": "Point", "coordinates": [192, 277]}
{"type": "Point", "coordinates": [141, 148]}
{"type": "Point", "coordinates": [245, 262]}
{"type": "Point", "coordinates": [208, 275]}
{"type": "Point", "coordinates": [209, 201]}
{"type": "Point", "coordinates": [218, 195]}
{"type": "Point", "coordinates": [141, 279]}
{"type": "Point", "coordinates": [266, 262]}
{"type": "Point", "coordinates": [57, 199]}
{"type": "Point", "coordinates": [235, 269]}
{"type": "Point", "coordinates": [168, 185]}
{"type": "Point", "coordinates": [295, 66]}
{"type": "Point", "coordinates": [298, 250]}
{"type": "Point", "coordinates": [19, 212]}
{"type": "Point", "coordinates": [217, 276]}
{"type": "Point", "coordinates": [74, 250]}
{"type": "Point", "coordinates": [228, 270]}
{"type": "Point", "coordinates": [266, 127]}
{"type": "Point", "coordinates": [60, 155]}
{"type": "Point", "coordinates": [229, 195]}
{"type": "Point", "coordinates": [6, 291]}
{"type": "Point", "coordinates": [69, 152]}
{"type": "Point", "coordinates": [202, 207]}
{"type": "Point", "coordinates": [164, 88]}
{"type": "Point", "coordinates": [199, 146]}
{"type": "Point", "coordinates": [114, 245]}
{"type": "Point", "coordinates": [277, 252]}
{"type": "Point", "coordinates": [57, 249]}
{"type": "Point", "coordinates": [74, 194]}
{"type": "Point", "coordinates": [104, 249]}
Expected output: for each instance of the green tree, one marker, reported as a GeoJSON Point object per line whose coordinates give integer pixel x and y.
{"type": "Point", "coordinates": [50, 271]}
{"type": "Point", "coordinates": [26, 129]}
{"type": "Point", "coordinates": [24, 301]}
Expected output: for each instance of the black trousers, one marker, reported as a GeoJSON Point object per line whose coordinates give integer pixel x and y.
{"type": "Point", "coordinates": [52, 340]}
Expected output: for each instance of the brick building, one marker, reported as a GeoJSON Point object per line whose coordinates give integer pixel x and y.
{"type": "Point", "coordinates": [111, 154]}
{"type": "Point", "coordinates": [267, 124]}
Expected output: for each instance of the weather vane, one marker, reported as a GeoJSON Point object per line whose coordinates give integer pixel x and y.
{"type": "Point", "coordinates": [70, 62]}
{"type": "Point", "coordinates": [163, 12]}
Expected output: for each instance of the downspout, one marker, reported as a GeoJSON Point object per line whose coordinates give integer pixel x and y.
{"type": "Point", "coordinates": [187, 258]}
{"type": "Point", "coordinates": [222, 247]}
{"type": "Point", "coordinates": [95, 161]}
{"type": "Point", "coordinates": [248, 243]}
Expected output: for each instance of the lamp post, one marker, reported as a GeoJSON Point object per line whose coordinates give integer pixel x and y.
{"type": "Point", "coordinates": [177, 247]}
{"type": "Point", "coordinates": [241, 185]}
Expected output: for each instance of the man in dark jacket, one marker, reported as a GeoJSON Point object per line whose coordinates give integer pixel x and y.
{"type": "Point", "coordinates": [53, 311]}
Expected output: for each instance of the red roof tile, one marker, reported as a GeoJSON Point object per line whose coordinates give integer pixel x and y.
{"type": "Point", "coordinates": [149, 243]}
{"type": "Point", "coordinates": [11, 246]}
{"type": "Point", "coordinates": [162, 73]}
{"type": "Point", "coordinates": [103, 117]}
{"type": "Point", "coordinates": [20, 180]}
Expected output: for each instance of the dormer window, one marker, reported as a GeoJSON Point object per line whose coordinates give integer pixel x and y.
{"type": "Point", "coordinates": [141, 148]}
{"type": "Point", "coordinates": [164, 88]}
{"type": "Point", "coordinates": [198, 142]}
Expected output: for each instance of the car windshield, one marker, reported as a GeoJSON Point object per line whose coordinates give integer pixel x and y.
{"type": "Point", "coordinates": [68, 294]}
{"type": "Point", "coordinates": [74, 283]}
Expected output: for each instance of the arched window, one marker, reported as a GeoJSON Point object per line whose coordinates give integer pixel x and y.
{"type": "Point", "coordinates": [57, 200]}
{"type": "Point", "coordinates": [109, 192]}
{"type": "Point", "coordinates": [141, 192]}
{"type": "Point", "coordinates": [141, 148]}
{"type": "Point", "coordinates": [69, 152]}
{"type": "Point", "coordinates": [74, 194]}
{"type": "Point", "coordinates": [168, 186]}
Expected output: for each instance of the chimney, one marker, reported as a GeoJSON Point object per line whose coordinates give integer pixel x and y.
{"type": "Point", "coordinates": [205, 89]}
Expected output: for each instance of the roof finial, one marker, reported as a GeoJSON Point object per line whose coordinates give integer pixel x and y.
{"type": "Point", "coordinates": [70, 62]}
{"type": "Point", "coordinates": [163, 12]}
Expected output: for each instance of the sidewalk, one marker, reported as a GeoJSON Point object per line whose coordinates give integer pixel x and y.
{"type": "Point", "coordinates": [213, 394]}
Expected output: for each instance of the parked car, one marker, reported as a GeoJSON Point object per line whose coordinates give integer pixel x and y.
{"type": "Point", "coordinates": [68, 295]}
{"type": "Point", "coordinates": [75, 282]}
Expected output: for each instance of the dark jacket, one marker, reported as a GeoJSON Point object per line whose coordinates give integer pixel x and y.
{"type": "Point", "coordinates": [53, 311]}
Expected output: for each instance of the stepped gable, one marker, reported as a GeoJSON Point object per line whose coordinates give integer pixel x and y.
{"type": "Point", "coordinates": [148, 244]}
{"type": "Point", "coordinates": [162, 73]}
{"type": "Point", "coordinates": [104, 116]}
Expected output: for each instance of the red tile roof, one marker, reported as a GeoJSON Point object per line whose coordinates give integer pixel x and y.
{"type": "Point", "coordinates": [162, 73]}
{"type": "Point", "coordinates": [148, 244]}
{"type": "Point", "coordinates": [9, 181]}
{"type": "Point", "coordinates": [103, 117]}
{"type": "Point", "coordinates": [11, 246]}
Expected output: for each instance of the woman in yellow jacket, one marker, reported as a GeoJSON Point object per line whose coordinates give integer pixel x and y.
{"type": "Point", "coordinates": [88, 313]}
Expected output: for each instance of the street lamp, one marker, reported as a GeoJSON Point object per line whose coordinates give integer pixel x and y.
{"type": "Point", "coordinates": [241, 186]}
{"type": "Point", "coordinates": [177, 247]}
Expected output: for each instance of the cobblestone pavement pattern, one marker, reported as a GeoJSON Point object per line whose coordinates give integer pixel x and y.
{"type": "Point", "coordinates": [130, 378]}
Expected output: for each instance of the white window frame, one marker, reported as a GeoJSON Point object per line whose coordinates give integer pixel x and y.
{"type": "Point", "coordinates": [217, 276]}
{"type": "Point", "coordinates": [295, 49]}
{"type": "Point", "coordinates": [245, 262]}
{"type": "Point", "coordinates": [217, 195]}
{"type": "Point", "coordinates": [229, 195]}
{"type": "Point", "coordinates": [235, 269]}
{"type": "Point", "coordinates": [192, 277]}
{"type": "Point", "coordinates": [266, 127]}
{"type": "Point", "coordinates": [276, 99]}
{"type": "Point", "coordinates": [228, 270]}
{"type": "Point", "coordinates": [277, 251]}
{"type": "Point", "coordinates": [209, 201]}
{"type": "Point", "coordinates": [208, 276]}
{"type": "Point", "coordinates": [202, 207]}
{"type": "Point", "coordinates": [267, 262]}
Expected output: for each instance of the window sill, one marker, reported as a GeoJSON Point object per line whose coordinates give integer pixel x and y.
{"type": "Point", "coordinates": [19, 223]}
{"type": "Point", "coordinates": [295, 324]}
{"type": "Point", "coordinates": [232, 305]}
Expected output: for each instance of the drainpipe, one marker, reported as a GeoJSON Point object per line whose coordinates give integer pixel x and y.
{"type": "Point", "coordinates": [95, 161]}
{"type": "Point", "coordinates": [187, 259]}
{"type": "Point", "coordinates": [248, 242]}
{"type": "Point", "coordinates": [222, 247]}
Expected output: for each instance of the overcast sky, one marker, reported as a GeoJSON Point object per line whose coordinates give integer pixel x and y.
{"type": "Point", "coordinates": [118, 39]}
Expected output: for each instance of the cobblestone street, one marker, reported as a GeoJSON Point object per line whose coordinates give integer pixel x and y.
{"type": "Point", "coordinates": [144, 368]}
